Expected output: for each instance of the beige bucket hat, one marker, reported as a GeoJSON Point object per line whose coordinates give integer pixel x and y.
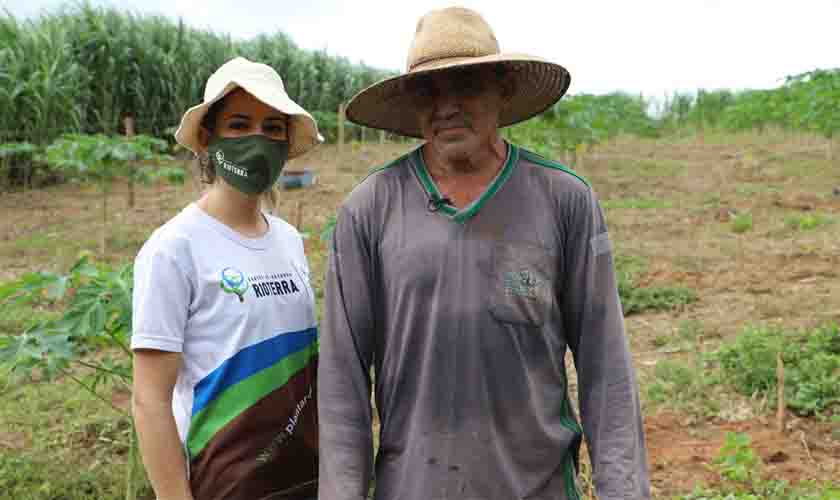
{"type": "Point", "coordinates": [451, 38]}
{"type": "Point", "coordinates": [261, 81]}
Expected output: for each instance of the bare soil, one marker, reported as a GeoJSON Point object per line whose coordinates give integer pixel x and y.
{"type": "Point", "coordinates": [770, 274]}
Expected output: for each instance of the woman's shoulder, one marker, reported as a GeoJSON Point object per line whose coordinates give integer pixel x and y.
{"type": "Point", "coordinates": [285, 234]}
{"type": "Point", "coordinates": [175, 236]}
{"type": "Point", "coordinates": [282, 229]}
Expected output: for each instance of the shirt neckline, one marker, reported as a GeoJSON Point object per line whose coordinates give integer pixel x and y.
{"type": "Point", "coordinates": [259, 243]}
{"type": "Point", "coordinates": [462, 215]}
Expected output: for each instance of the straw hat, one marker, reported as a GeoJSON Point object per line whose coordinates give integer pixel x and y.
{"type": "Point", "coordinates": [261, 81]}
{"type": "Point", "coordinates": [451, 38]}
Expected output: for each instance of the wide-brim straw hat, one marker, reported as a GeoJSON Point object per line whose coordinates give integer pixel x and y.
{"type": "Point", "coordinates": [261, 81]}
{"type": "Point", "coordinates": [454, 38]}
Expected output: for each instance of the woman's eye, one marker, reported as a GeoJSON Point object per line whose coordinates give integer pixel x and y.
{"type": "Point", "coordinates": [238, 125]}
{"type": "Point", "coordinates": [275, 129]}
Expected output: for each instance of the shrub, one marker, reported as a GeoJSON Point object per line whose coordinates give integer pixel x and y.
{"type": "Point", "coordinates": [812, 365]}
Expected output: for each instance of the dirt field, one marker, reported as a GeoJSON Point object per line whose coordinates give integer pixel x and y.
{"type": "Point", "coordinates": [672, 204]}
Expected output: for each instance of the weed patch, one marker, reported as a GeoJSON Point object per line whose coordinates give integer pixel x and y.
{"type": "Point", "coordinates": [742, 478]}
{"type": "Point", "coordinates": [811, 359]}
{"type": "Point", "coordinates": [685, 386]}
{"type": "Point", "coordinates": [636, 299]}
{"type": "Point", "coordinates": [742, 223]}
{"type": "Point", "coordinates": [807, 222]}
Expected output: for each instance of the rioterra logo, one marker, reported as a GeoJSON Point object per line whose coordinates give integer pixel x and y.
{"type": "Point", "coordinates": [220, 159]}
{"type": "Point", "coordinates": [233, 281]}
{"type": "Point", "coordinates": [522, 283]}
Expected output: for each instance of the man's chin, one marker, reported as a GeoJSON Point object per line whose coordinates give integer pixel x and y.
{"type": "Point", "coordinates": [451, 141]}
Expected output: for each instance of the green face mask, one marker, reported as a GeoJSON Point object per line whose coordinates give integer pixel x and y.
{"type": "Point", "coordinates": [251, 163]}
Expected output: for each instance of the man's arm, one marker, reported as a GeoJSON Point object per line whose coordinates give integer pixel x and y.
{"type": "Point", "coordinates": [344, 409]}
{"type": "Point", "coordinates": [594, 322]}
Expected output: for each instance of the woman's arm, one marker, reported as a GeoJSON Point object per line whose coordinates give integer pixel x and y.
{"type": "Point", "coordinates": [155, 373]}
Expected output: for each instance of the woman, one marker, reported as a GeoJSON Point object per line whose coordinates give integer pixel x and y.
{"type": "Point", "coordinates": [224, 332]}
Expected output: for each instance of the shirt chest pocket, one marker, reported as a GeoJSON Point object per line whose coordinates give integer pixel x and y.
{"type": "Point", "coordinates": [522, 278]}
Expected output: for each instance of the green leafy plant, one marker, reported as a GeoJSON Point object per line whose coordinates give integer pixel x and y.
{"type": "Point", "coordinates": [83, 67]}
{"type": "Point", "coordinates": [685, 385]}
{"type": "Point", "coordinates": [579, 122]}
{"type": "Point", "coordinates": [742, 223]}
{"type": "Point", "coordinates": [736, 460]}
{"type": "Point", "coordinates": [635, 299]}
{"type": "Point", "coordinates": [807, 222]}
{"type": "Point", "coordinates": [740, 469]}
{"type": "Point", "coordinates": [328, 229]}
{"type": "Point", "coordinates": [19, 154]}
{"type": "Point", "coordinates": [811, 359]}
{"type": "Point", "coordinates": [96, 314]}
{"type": "Point", "coordinates": [102, 159]}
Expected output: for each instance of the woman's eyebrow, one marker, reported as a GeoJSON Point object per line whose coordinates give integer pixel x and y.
{"type": "Point", "coordinates": [280, 118]}
{"type": "Point", "coordinates": [239, 115]}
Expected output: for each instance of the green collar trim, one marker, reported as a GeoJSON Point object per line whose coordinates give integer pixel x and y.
{"type": "Point", "coordinates": [461, 216]}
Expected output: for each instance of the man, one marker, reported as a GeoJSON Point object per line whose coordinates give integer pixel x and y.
{"type": "Point", "coordinates": [461, 273]}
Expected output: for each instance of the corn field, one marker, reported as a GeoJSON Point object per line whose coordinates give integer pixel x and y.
{"type": "Point", "coordinates": [81, 69]}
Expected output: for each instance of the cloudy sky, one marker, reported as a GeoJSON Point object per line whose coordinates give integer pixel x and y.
{"type": "Point", "coordinates": [649, 46]}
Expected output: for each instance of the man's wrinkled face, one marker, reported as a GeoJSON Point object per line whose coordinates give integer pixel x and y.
{"type": "Point", "coordinates": [458, 109]}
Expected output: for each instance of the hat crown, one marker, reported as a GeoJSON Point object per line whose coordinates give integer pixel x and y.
{"type": "Point", "coordinates": [449, 33]}
{"type": "Point", "coordinates": [241, 71]}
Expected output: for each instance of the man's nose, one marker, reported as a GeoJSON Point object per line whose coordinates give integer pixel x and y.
{"type": "Point", "coordinates": [446, 105]}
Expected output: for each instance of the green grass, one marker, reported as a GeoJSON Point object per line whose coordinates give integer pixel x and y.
{"type": "Point", "coordinates": [807, 222]}
{"type": "Point", "coordinates": [752, 189]}
{"type": "Point", "coordinates": [810, 168]}
{"type": "Point", "coordinates": [637, 203]}
{"type": "Point", "coordinates": [645, 168]}
{"type": "Point", "coordinates": [811, 359]}
{"type": "Point", "coordinates": [57, 248]}
{"type": "Point", "coordinates": [686, 386]}
{"type": "Point", "coordinates": [683, 338]}
{"type": "Point", "coordinates": [711, 201]}
{"type": "Point", "coordinates": [17, 317]}
{"type": "Point", "coordinates": [742, 223]}
{"type": "Point", "coordinates": [747, 364]}
{"type": "Point", "coordinates": [635, 299]}
{"type": "Point", "coordinates": [742, 477]}
{"type": "Point", "coordinates": [74, 445]}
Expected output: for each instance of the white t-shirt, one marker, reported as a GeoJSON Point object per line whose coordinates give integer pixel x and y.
{"type": "Point", "coordinates": [241, 311]}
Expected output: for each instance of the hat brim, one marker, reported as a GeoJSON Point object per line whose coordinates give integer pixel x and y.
{"type": "Point", "coordinates": [304, 130]}
{"type": "Point", "coordinates": [538, 84]}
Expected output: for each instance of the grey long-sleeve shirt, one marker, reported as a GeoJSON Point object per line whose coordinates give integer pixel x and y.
{"type": "Point", "coordinates": [465, 317]}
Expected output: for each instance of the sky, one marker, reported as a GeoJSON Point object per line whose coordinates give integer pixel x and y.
{"type": "Point", "coordinates": [652, 47]}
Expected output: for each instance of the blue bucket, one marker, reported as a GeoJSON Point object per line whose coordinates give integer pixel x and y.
{"type": "Point", "coordinates": [296, 179]}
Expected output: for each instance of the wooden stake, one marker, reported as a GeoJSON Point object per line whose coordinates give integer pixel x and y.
{"type": "Point", "coordinates": [780, 395]}
{"type": "Point", "coordinates": [128, 121]}
{"type": "Point", "coordinates": [299, 215]}
{"type": "Point", "coordinates": [381, 137]}
{"type": "Point", "coordinates": [103, 242]}
{"type": "Point", "coordinates": [341, 127]}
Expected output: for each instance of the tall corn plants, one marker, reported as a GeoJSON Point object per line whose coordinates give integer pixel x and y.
{"type": "Point", "coordinates": [43, 89]}
{"type": "Point", "coordinates": [82, 68]}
